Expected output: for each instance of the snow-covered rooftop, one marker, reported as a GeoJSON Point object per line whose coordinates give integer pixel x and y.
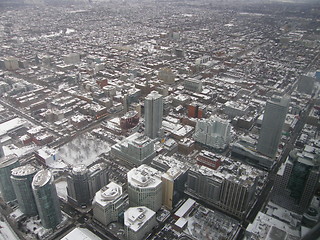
{"type": "Point", "coordinates": [144, 177]}
{"type": "Point", "coordinates": [23, 171]}
{"type": "Point", "coordinates": [41, 178]}
{"type": "Point", "coordinates": [108, 193]}
{"type": "Point", "coordinates": [136, 217]}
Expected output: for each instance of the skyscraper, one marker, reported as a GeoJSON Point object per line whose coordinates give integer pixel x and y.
{"type": "Point", "coordinates": [21, 178]}
{"type": "Point", "coordinates": [272, 124]}
{"type": "Point", "coordinates": [153, 111]}
{"type": "Point", "coordinates": [296, 181]}
{"type": "Point", "coordinates": [108, 203]}
{"type": "Point", "coordinates": [7, 191]}
{"type": "Point", "coordinates": [78, 186]}
{"type": "Point", "coordinates": [46, 197]}
{"type": "Point", "coordinates": [213, 132]}
{"type": "Point", "coordinates": [145, 187]}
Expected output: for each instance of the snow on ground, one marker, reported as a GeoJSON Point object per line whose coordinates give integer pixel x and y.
{"type": "Point", "coordinates": [58, 164]}
{"type": "Point", "coordinates": [6, 232]}
{"type": "Point", "coordinates": [83, 150]}
{"type": "Point", "coordinates": [61, 187]}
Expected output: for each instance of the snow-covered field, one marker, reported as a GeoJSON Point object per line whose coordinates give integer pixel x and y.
{"type": "Point", "coordinates": [83, 150]}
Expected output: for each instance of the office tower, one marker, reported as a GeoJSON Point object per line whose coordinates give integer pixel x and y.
{"type": "Point", "coordinates": [145, 187]}
{"type": "Point", "coordinates": [153, 111]}
{"type": "Point", "coordinates": [136, 149]}
{"type": "Point", "coordinates": [108, 203]}
{"type": "Point", "coordinates": [138, 222]}
{"type": "Point", "coordinates": [21, 178]}
{"type": "Point", "coordinates": [78, 186]}
{"type": "Point", "coordinates": [46, 197]}
{"type": "Point", "coordinates": [272, 124]}
{"type": "Point", "coordinates": [296, 181]}
{"type": "Point", "coordinates": [10, 162]}
{"type": "Point", "coordinates": [213, 132]}
{"type": "Point", "coordinates": [98, 177]}
{"type": "Point", "coordinates": [172, 185]}
{"type": "Point", "coordinates": [227, 192]}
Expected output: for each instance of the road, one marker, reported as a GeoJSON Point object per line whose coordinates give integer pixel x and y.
{"type": "Point", "coordinates": [264, 196]}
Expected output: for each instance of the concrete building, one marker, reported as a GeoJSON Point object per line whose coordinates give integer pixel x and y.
{"type": "Point", "coordinates": [98, 177]}
{"type": "Point", "coordinates": [138, 222]}
{"type": "Point", "coordinates": [272, 124]}
{"type": "Point", "coordinates": [193, 85]}
{"type": "Point", "coordinates": [6, 165]}
{"type": "Point", "coordinates": [47, 200]}
{"type": "Point", "coordinates": [78, 186]}
{"type": "Point", "coordinates": [108, 203]}
{"type": "Point", "coordinates": [136, 149]}
{"type": "Point", "coordinates": [227, 192]}
{"type": "Point", "coordinates": [166, 75]}
{"type": "Point", "coordinates": [245, 150]}
{"type": "Point", "coordinates": [145, 187]}
{"type": "Point", "coordinates": [11, 63]}
{"type": "Point", "coordinates": [234, 109]}
{"type": "Point", "coordinates": [21, 178]}
{"type": "Point", "coordinates": [153, 111]}
{"type": "Point", "coordinates": [213, 132]}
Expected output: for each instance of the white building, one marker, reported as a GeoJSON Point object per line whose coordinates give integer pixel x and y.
{"type": "Point", "coordinates": [138, 222]}
{"type": "Point", "coordinates": [234, 109]}
{"type": "Point", "coordinates": [145, 187]}
{"type": "Point", "coordinates": [108, 203]}
{"type": "Point", "coordinates": [213, 132]}
{"type": "Point", "coordinates": [153, 112]}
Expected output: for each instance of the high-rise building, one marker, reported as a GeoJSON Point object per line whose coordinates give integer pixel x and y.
{"type": "Point", "coordinates": [136, 149]}
{"type": "Point", "coordinates": [8, 163]}
{"type": "Point", "coordinates": [78, 186]}
{"type": "Point", "coordinates": [21, 178]}
{"type": "Point", "coordinates": [213, 132]}
{"type": "Point", "coordinates": [138, 222]}
{"type": "Point", "coordinates": [83, 183]}
{"type": "Point", "coordinates": [98, 177]}
{"type": "Point", "coordinates": [296, 181]}
{"type": "Point", "coordinates": [46, 197]}
{"type": "Point", "coordinates": [228, 192]}
{"type": "Point", "coordinates": [272, 124]}
{"type": "Point", "coordinates": [153, 111]}
{"type": "Point", "coordinates": [172, 185]}
{"type": "Point", "coordinates": [145, 187]}
{"type": "Point", "coordinates": [108, 203]}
